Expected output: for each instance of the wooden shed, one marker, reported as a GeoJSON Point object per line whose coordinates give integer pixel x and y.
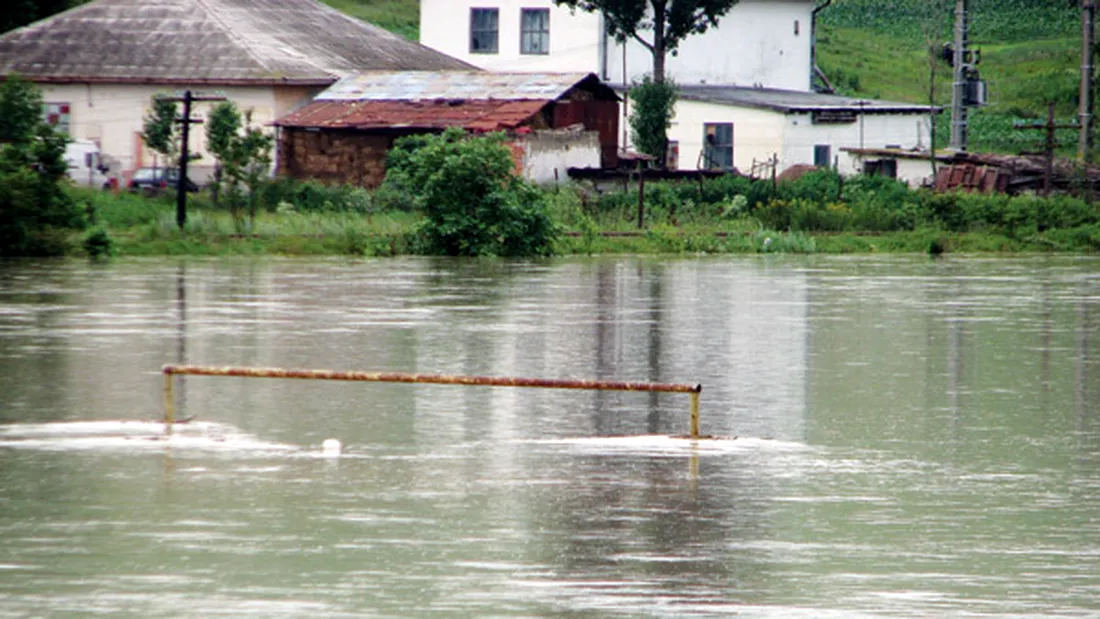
{"type": "Point", "coordinates": [345, 134]}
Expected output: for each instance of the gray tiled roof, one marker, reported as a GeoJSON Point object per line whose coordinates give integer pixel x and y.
{"type": "Point", "coordinates": [793, 101]}
{"type": "Point", "coordinates": [209, 41]}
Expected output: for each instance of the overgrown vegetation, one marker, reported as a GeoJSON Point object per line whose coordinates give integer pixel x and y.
{"type": "Point", "coordinates": [35, 211]}
{"type": "Point", "coordinates": [474, 204]}
{"type": "Point", "coordinates": [243, 154]}
{"type": "Point", "coordinates": [651, 110]}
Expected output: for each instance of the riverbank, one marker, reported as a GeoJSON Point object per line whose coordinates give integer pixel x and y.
{"type": "Point", "coordinates": [725, 216]}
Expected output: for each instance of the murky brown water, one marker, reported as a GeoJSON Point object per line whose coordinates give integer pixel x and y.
{"type": "Point", "coordinates": [913, 438]}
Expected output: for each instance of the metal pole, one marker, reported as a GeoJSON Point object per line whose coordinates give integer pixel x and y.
{"type": "Point", "coordinates": [169, 403]}
{"type": "Point", "coordinates": [958, 91]}
{"type": "Point", "coordinates": [181, 188]}
{"type": "Point", "coordinates": [400, 377]}
{"type": "Point", "coordinates": [1088, 17]}
{"type": "Point", "coordinates": [695, 414]}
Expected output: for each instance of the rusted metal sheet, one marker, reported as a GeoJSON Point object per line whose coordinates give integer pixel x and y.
{"type": "Point", "coordinates": [984, 179]}
{"type": "Point", "coordinates": [491, 115]}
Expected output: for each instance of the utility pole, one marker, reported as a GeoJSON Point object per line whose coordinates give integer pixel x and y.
{"type": "Point", "coordinates": [958, 91]}
{"type": "Point", "coordinates": [186, 121]}
{"type": "Point", "coordinates": [1085, 107]}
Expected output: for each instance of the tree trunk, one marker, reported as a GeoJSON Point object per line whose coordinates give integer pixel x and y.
{"type": "Point", "coordinates": [659, 40]}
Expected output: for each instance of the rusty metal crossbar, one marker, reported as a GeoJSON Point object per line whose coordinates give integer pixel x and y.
{"type": "Point", "coordinates": [399, 377]}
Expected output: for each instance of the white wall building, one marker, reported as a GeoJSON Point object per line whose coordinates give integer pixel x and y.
{"type": "Point", "coordinates": [746, 83]}
{"type": "Point", "coordinates": [764, 43]}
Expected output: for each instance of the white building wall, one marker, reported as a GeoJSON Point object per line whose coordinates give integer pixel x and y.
{"type": "Point", "coordinates": [762, 43]}
{"type": "Point", "coordinates": [112, 115]}
{"type": "Point", "coordinates": [757, 134]}
{"type": "Point", "coordinates": [575, 39]}
{"type": "Point", "coordinates": [759, 42]}
{"type": "Point", "coordinates": [873, 131]}
{"type": "Point", "coordinates": [548, 155]}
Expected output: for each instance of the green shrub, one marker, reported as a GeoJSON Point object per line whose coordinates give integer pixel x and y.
{"type": "Point", "coordinates": [474, 203]}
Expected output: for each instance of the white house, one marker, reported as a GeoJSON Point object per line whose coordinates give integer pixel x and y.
{"type": "Point", "coordinates": [745, 84]}
{"type": "Point", "coordinates": [765, 43]}
{"type": "Point", "coordinates": [727, 126]}
{"type": "Point", "coordinates": [100, 64]}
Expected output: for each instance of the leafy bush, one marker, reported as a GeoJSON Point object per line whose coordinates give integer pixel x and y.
{"type": "Point", "coordinates": [34, 208]}
{"type": "Point", "coordinates": [474, 203]}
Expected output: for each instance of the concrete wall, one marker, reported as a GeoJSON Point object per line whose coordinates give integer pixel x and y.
{"type": "Point", "coordinates": [548, 155]}
{"type": "Point", "coordinates": [757, 42]}
{"type": "Point", "coordinates": [913, 171]}
{"type": "Point", "coordinates": [575, 39]}
{"type": "Point", "coordinates": [112, 116]}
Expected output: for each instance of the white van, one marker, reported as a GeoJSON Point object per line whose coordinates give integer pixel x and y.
{"type": "Point", "coordinates": [85, 165]}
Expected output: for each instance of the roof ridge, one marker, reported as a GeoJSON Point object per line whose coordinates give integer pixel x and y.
{"type": "Point", "coordinates": [230, 32]}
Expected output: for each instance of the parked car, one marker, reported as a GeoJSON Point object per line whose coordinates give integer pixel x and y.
{"type": "Point", "coordinates": [155, 179]}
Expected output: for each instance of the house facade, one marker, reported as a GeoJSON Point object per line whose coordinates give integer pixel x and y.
{"type": "Point", "coordinates": [554, 121]}
{"type": "Point", "coordinates": [746, 93]}
{"type": "Point", "coordinates": [764, 43]}
{"type": "Point", "coordinates": [100, 64]}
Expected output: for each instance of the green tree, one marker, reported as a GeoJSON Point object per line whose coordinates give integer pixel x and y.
{"type": "Point", "coordinates": [160, 130]}
{"type": "Point", "coordinates": [475, 203]}
{"type": "Point", "coordinates": [669, 22]}
{"type": "Point", "coordinates": [243, 154]}
{"type": "Point", "coordinates": [651, 115]}
{"type": "Point", "coordinates": [33, 203]}
{"type": "Point", "coordinates": [16, 13]}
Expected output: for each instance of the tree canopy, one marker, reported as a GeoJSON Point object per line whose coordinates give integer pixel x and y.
{"type": "Point", "coordinates": [668, 22]}
{"type": "Point", "coordinates": [16, 13]}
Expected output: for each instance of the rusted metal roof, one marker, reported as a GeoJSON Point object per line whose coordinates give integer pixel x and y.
{"type": "Point", "coordinates": [461, 85]}
{"type": "Point", "coordinates": [209, 42]}
{"type": "Point", "coordinates": [475, 115]}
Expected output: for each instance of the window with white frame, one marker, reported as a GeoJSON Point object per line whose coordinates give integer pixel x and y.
{"type": "Point", "coordinates": [484, 31]}
{"type": "Point", "coordinates": [718, 146]}
{"type": "Point", "coordinates": [534, 29]}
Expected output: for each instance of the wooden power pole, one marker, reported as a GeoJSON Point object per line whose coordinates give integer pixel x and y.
{"type": "Point", "coordinates": [185, 120]}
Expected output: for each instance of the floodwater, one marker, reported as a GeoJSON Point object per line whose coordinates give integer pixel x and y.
{"type": "Point", "coordinates": [900, 437]}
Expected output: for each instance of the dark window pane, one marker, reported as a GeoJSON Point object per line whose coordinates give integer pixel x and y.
{"type": "Point", "coordinates": [718, 146]}
{"type": "Point", "coordinates": [534, 31]}
{"type": "Point", "coordinates": [484, 31]}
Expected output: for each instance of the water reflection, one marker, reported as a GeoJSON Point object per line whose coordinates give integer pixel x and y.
{"type": "Point", "coordinates": [916, 438]}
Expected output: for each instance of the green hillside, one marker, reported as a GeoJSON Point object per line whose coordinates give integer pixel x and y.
{"type": "Point", "coordinates": [400, 16]}
{"type": "Point", "coordinates": [1030, 56]}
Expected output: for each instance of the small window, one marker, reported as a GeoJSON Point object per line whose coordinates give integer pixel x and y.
{"type": "Point", "coordinates": [534, 31]}
{"type": "Point", "coordinates": [823, 155]}
{"type": "Point", "coordinates": [484, 31]}
{"type": "Point", "coordinates": [718, 146]}
{"type": "Point", "coordinates": [881, 167]}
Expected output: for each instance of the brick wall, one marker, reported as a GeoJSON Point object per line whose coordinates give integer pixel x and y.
{"type": "Point", "coordinates": [343, 157]}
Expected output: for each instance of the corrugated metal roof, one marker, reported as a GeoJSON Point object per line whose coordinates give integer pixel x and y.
{"type": "Point", "coordinates": [208, 41]}
{"type": "Point", "coordinates": [454, 85]}
{"type": "Point", "coordinates": [788, 101]}
{"type": "Point", "coordinates": [476, 115]}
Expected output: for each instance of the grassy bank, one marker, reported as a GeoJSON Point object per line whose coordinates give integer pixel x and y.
{"type": "Point", "coordinates": [820, 213]}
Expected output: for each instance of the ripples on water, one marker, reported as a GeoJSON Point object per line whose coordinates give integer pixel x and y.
{"type": "Point", "coordinates": [913, 438]}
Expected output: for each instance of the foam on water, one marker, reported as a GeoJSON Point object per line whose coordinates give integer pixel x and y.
{"type": "Point", "coordinates": [122, 435]}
